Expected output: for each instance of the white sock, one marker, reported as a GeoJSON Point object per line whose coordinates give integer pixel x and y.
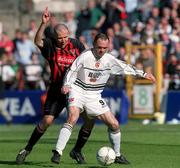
{"type": "Point", "coordinates": [115, 139]}
{"type": "Point", "coordinates": [63, 138]}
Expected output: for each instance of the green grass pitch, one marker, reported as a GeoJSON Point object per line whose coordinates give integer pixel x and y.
{"type": "Point", "coordinates": [145, 146]}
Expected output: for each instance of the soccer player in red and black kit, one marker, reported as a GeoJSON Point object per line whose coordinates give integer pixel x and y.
{"type": "Point", "coordinates": [60, 52]}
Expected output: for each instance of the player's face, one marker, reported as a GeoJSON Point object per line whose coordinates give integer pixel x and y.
{"type": "Point", "coordinates": [101, 47]}
{"type": "Point", "coordinates": [62, 37]}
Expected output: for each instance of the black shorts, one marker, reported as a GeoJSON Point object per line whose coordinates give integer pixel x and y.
{"type": "Point", "coordinates": [55, 101]}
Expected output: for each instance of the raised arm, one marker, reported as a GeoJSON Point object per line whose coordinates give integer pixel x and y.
{"type": "Point", "coordinates": [39, 34]}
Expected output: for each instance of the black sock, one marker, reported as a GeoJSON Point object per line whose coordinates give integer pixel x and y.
{"type": "Point", "coordinates": [35, 136]}
{"type": "Point", "coordinates": [82, 138]}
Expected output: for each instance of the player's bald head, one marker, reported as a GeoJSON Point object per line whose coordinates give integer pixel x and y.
{"type": "Point", "coordinates": [61, 35]}
{"type": "Point", "coordinates": [60, 28]}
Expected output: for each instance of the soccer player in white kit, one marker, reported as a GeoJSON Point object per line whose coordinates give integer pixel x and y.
{"type": "Point", "coordinates": [85, 82]}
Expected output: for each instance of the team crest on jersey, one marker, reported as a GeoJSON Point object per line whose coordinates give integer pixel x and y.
{"type": "Point", "coordinates": [97, 64]}
{"type": "Point", "coordinates": [93, 80]}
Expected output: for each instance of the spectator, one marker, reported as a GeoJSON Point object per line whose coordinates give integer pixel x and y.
{"type": "Point", "coordinates": [10, 73]}
{"type": "Point", "coordinates": [71, 23]}
{"type": "Point", "coordinates": [32, 29]}
{"type": "Point", "coordinates": [25, 49]}
{"type": "Point", "coordinates": [166, 13]}
{"type": "Point", "coordinates": [117, 29]}
{"type": "Point", "coordinates": [113, 39]}
{"type": "Point", "coordinates": [17, 38]}
{"type": "Point", "coordinates": [95, 18]}
{"type": "Point", "coordinates": [83, 18]}
{"type": "Point", "coordinates": [155, 14]}
{"type": "Point", "coordinates": [167, 43]}
{"type": "Point", "coordinates": [164, 26]}
{"type": "Point", "coordinates": [115, 11]}
{"type": "Point", "coordinates": [147, 60]}
{"type": "Point", "coordinates": [33, 74]}
{"type": "Point", "coordinates": [172, 65]}
{"type": "Point", "coordinates": [122, 53]}
{"type": "Point", "coordinates": [131, 9]}
{"type": "Point", "coordinates": [6, 44]}
{"type": "Point", "coordinates": [149, 35]}
{"type": "Point", "coordinates": [4, 113]}
{"type": "Point", "coordinates": [137, 34]}
{"type": "Point", "coordinates": [145, 7]}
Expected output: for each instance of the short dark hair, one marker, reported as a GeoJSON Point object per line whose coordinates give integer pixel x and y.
{"type": "Point", "coordinates": [100, 36]}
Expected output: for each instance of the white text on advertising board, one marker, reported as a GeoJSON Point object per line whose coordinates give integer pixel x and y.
{"type": "Point", "coordinates": [13, 106]}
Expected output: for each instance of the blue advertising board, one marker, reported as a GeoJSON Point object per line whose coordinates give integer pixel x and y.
{"type": "Point", "coordinates": [25, 106]}
{"type": "Point", "coordinates": [173, 106]}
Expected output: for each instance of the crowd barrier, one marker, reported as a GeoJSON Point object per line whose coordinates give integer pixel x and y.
{"type": "Point", "coordinates": [26, 107]}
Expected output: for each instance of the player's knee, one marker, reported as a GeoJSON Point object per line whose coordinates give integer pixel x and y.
{"type": "Point", "coordinates": [47, 122]}
{"type": "Point", "coordinates": [115, 126]}
{"type": "Point", "coordinates": [72, 119]}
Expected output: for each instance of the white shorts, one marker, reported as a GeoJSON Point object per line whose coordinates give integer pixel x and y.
{"type": "Point", "coordinates": [93, 104]}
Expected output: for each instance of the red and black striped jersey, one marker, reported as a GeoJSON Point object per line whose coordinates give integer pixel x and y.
{"type": "Point", "coordinates": [60, 59]}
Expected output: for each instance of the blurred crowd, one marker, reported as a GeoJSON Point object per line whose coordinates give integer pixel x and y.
{"type": "Point", "coordinates": [135, 21]}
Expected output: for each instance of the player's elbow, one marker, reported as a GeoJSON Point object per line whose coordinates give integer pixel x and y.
{"type": "Point", "coordinates": [38, 42]}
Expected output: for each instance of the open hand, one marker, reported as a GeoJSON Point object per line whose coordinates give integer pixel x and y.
{"type": "Point", "coordinates": [65, 89]}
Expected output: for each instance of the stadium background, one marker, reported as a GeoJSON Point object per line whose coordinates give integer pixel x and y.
{"type": "Point", "coordinates": [141, 22]}
{"type": "Point", "coordinates": [136, 22]}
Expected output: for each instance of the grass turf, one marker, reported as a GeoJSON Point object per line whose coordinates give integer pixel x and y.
{"type": "Point", "coordinates": [145, 146]}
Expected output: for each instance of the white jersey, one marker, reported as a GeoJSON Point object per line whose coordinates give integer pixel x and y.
{"type": "Point", "coordinates": [90, 74]}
